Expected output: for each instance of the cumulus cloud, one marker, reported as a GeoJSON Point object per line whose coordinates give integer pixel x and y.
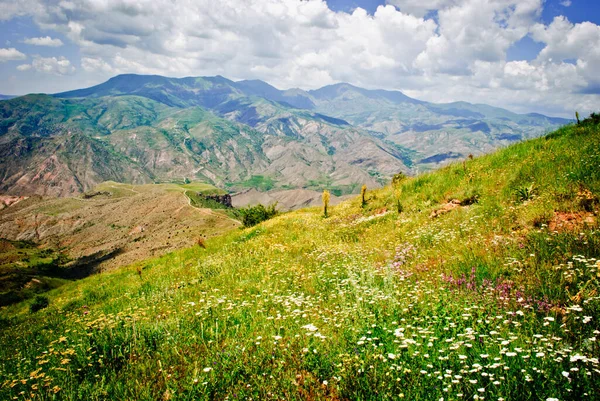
{"type": "Point", "coordinates": [45, 41]}
{"type": "Point", "coordinates": [459, 53]}
{"type": "Point", "coordinates": [49, 65]}
{"type": "Point", "coordinates": [567, 42]}
{"type": "Point", "coordinates": [479, 30]}
{"type": "Point", "coordinates": [92, 64]}
{"type": "Point", "coordinates": [422, 7]}
{"type": "Point", "coordinates": [11, 54]}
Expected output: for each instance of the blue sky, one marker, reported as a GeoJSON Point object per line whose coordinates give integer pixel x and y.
{"type": "Point", "coordinates": [525, 55]}
{"type": "Point", "coordinates": [576, 11]}
{"type": "Point", "coordinates": [525, 49]}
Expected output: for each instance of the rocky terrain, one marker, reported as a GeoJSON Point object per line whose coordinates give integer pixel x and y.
{"type": "Point", "coordinates": [136, 221]}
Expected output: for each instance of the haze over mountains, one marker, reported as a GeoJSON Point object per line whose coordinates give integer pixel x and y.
{"type": "Point", "coordinates": [142, 129]}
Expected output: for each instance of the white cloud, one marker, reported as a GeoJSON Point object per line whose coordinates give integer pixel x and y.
{"type": "Point", "coordinates": [565, 3]}
{"type": "Point", "coordinates": [567, 42]}
{"type": "Point", "coordinates": [11, 8]}
{"type": "Point", "coordinates": [49, 65]}
{"type": "Point", "coordinates": [421, 7]}
{"type": "Point", "coordinates": [92, 64]}
{"type": "Point", "coordinates": [282, 41]}
{"type": "Point", "coordinates": [45, 41]}
{"type": "Point", "coordinates": [459, 55]}
{"type": "Point", "coordinates": [476, 30]}
{"type": "Point", "coordinates": [11, 54]}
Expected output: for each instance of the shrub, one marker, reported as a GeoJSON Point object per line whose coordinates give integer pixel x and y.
{"type": "Point", "coordinates": [469, 197]}
{"type": "Point", "coordinates": [201, 242]}
{"type": "Point", "coordinates": [593, 119]}
{"type": "Point", "coordinates": [397, 197]}
{"type": "Point", "coordinates": [253, 215]}
{"type": "Point", "coordinates": [39, 302]}
{"type": "Point", "coordinates": [525, 193]}
{"type": "Point", "coordinates": [399, 207]}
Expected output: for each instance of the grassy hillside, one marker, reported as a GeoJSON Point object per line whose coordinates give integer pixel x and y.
{"type": "Point", "coordinates": [495, 298]}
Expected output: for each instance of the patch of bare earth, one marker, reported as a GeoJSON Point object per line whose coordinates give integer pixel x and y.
{"type": "Point", "coordinates": [447, 207]}
{"type": "Point", "coordinates": [571, 221]}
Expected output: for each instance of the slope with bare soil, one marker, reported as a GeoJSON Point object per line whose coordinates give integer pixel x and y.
{"type": "Point", "coordinates": [114, 225]}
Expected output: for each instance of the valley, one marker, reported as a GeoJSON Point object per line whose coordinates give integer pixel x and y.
{"type": "Point", "coordinates": [46, 239]}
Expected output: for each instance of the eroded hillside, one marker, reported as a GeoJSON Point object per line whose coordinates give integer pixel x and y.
{"type": "Point", "coordinates": [113, 225]}
{"type": "Point", "coordinates": [142, 129]}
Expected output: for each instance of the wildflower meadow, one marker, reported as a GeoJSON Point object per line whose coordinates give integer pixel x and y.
{"type": "Point", "coordinates": [496, 298]}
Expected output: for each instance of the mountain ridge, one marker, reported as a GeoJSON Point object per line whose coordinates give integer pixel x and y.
{"type": "Point", "coordinates": [256, 86]}
{"type": "Point", "coordinates": [213, 129]}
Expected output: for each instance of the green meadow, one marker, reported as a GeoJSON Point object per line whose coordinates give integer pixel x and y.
{"type": "Point", "coordinates": [475, 282]}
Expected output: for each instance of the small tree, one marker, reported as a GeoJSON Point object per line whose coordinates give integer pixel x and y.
{"type": "Point", "coordinates": [592, 119]}
{"type": "Point", "coordinates": [363, 194]}
{"type": "Point", "coordinates": [326, 197]}
{"type": "Point", "coordinates": [253, 215]}
{"type": "Point", "coordinates": [577, 117]}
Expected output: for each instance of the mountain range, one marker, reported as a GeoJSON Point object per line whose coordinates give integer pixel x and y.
{"type": "Point", "coordinates": [236, 135]}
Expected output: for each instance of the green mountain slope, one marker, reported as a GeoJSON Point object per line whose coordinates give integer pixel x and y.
{"type": "Point", "coordinates": [340, 135]}
{"type": "Point", "coordinates": [476, 281]}
{"type": "Point", "coordinates": [437, 132]}
{"type": "Point", "coordinates": [55, 147]}
{"type": "Point", "coordinates": [175, 92]}
{"type": "Point", "coordinates": [472, 128]}
{"type": "Point", "coordinates": [136, 139]}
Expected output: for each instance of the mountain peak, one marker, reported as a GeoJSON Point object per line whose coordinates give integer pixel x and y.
{"type": "Point", "coordinates": [333, 91]}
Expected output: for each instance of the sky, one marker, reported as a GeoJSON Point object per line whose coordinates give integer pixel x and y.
{"type": "Point", "coordinates": [524, 55]}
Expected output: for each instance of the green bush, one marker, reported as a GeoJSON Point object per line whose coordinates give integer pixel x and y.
{"type": "Point", "coordinates": [39, 302]}
{"type": "Point", "coordinates": [593, 119]}
{"type": "Point", "coordinates": [252, 215]}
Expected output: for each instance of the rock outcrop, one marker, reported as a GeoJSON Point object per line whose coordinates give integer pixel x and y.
{"type": "Point", "coordinates": [224, 200]}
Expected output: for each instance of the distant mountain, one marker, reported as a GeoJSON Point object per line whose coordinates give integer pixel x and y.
{"type": "Point", "coordinates": [6, 97]}
{"type": "Point", "coordinates": [437, 132]}
{"type": "Point", "coordinates": [148, 128]}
